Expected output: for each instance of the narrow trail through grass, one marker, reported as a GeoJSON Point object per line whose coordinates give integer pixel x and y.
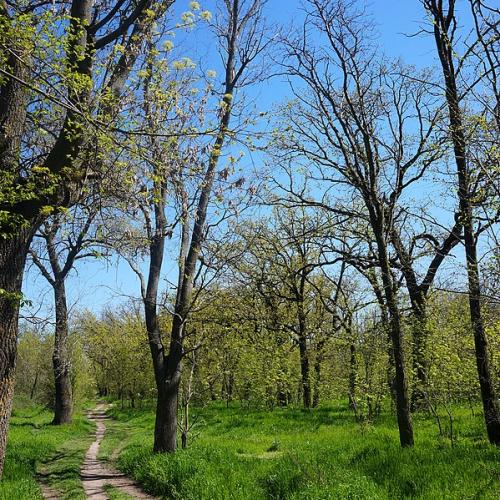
{"type": "Point", "coordinates": [100, 481]}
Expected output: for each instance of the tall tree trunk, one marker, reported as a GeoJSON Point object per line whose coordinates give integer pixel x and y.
{"type": "Point", "coordinates": [13, 251]}
{"type": "Point", "coordinates": [401, 384]}
{"type": "Point", "coordinates": [166, 417]}
{"type": "Point", "coordinates": [169, 377]}
{"type": "Point", "coordinates": [168, 367]}
{"type": "Point", "coordinates": [488, 396]}
{"type": "Point", "coordinates": [63, 404]}
{"type": "Point", "coordinates": [165, 433]}
{"type": "Point", "coordinates": [442, 29]}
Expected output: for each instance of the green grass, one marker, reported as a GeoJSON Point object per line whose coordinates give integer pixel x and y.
{"type": "Point", "coordinates": [115, 494]}
{"type": "Point", "coordinates": [317, 454]}
{"type": "Point", "coordinates": [37, 451]}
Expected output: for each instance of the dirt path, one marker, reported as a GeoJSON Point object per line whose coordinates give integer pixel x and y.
{"type": "Point", "coordinates": [96, 474]}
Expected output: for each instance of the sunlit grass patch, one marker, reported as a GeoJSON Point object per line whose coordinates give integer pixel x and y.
{"type": "Point", "coordinates": [314, 454]}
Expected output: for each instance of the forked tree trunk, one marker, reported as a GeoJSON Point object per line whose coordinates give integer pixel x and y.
{"type": "Point", "coordinates": [168, 363]}
{"type": "Point", "coordinates": [13, 251]}
{"type": "Point", "coordinates": [63, 403]}
{"type": "Point", "coordinates": [418, 297]}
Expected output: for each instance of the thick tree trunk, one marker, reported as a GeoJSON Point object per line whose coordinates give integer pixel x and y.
{"type": "Point", "coordinates": [63, 404]}
{"type": "Point", "coordinates": [165, 433]}
{"type": "Point", "coordinates": [168, 395]}
{"type": "Point", "coordinates": [165, 437]}
{"type": "Point", "coordinates": [401, 385]}
{"type": "Point", "coordinates": [13, 251]}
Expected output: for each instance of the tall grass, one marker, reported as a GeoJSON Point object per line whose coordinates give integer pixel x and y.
{"type": "Point", "coordinates": [317, 454]}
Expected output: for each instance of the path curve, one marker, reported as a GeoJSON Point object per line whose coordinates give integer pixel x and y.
{"type": "Point", "coordinates": [96, 474]}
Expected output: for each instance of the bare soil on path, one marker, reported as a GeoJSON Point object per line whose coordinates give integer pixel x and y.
{"type": "Point", "coordinates": [96, 475]}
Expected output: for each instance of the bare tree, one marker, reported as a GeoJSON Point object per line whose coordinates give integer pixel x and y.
{"type": "Point", "coordinates": [457, 88]}
{"type": "Point", "coordinates": [350, 124]}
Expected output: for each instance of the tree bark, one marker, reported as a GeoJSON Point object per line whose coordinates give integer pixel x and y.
{"type": "Point", "coordinates": [165, 433]}
{"type": "Point", "coordinates": [63, 404]}
{"type": "Point", "coordinates": [488, 395]}
{"type": "Point", "coordinates": [13, 251]}
{"type": "Point", "coordinates": [419, 347]}
{"type": "Point", "coordinates": [168, 377]}
{"type": "Point", "coordinates": [165, 437]}
{"type": "Point", "coordinates": [14, 243]}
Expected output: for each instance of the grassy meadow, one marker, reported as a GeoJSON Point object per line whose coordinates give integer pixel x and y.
{"type": "Point", "coordinates": [318, 454]}
{"type": "Point", "coordinates": [240, 453]}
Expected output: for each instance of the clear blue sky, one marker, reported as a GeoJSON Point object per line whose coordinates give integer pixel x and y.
{"type": "Point", "coordinates": [96, 285]}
